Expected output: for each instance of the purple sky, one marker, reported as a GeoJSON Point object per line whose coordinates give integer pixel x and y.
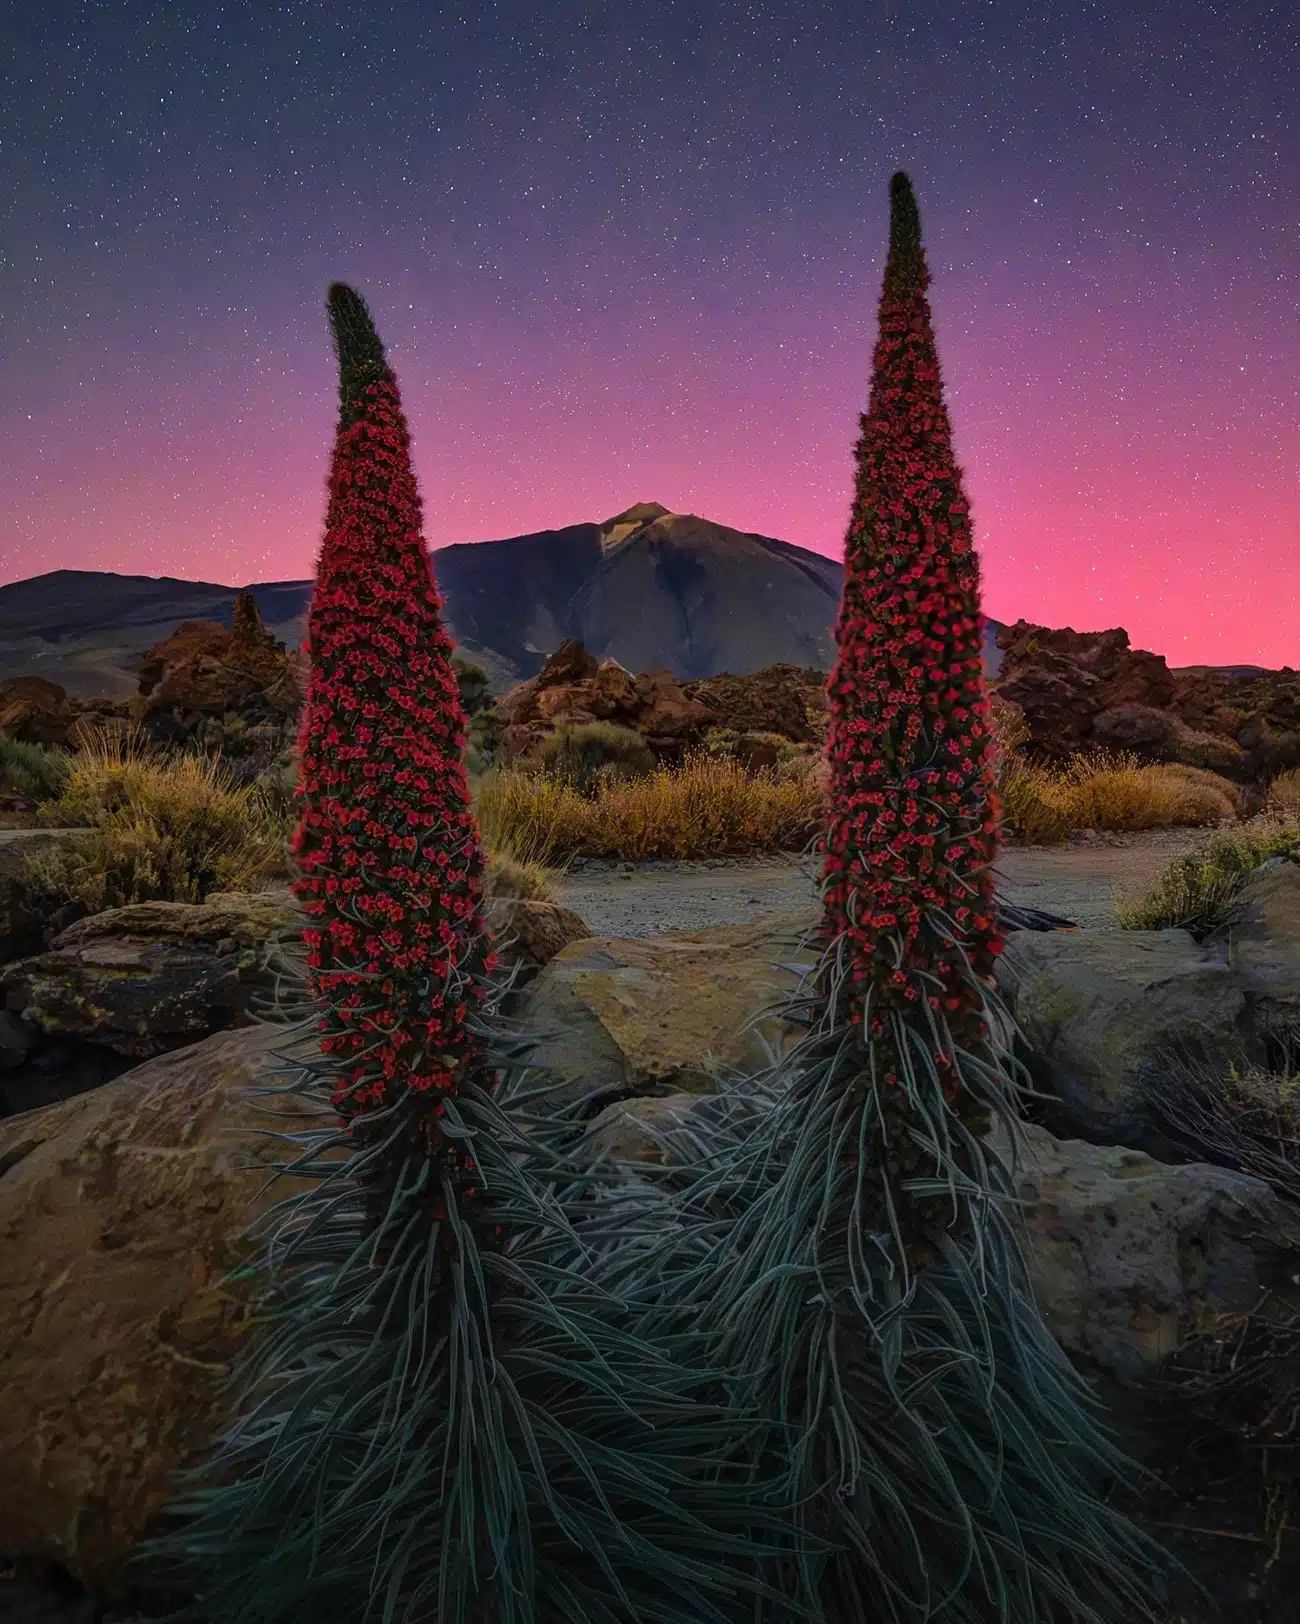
{"type": "Point", "coordinates": [623, 253]}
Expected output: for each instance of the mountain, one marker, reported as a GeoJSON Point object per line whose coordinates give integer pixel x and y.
{"type": "Point", "coordinates": [647, 587]}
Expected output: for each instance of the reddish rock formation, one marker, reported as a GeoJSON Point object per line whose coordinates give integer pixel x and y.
{"type": "Point", "coordinates": [1082, 689]}
{"type": "Point", "coordinates": [35, 711]}
{"type": "Point", "coordinates": [573, 686]}
{"type": "Point", "coordinates": [785, 699]}
{"type": "Point", "coordinates": [206, 669]}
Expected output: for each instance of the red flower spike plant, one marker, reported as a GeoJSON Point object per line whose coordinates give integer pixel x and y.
{"type": "Point", "coordinates": [867, 1288]}
{"type": "Point", "coordinates": [388, 855]}
{"type": "Point", "coordinates": [443, 1419]}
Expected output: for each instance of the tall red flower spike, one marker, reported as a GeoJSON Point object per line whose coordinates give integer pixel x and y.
{"type": "Point", "coordinates": [911, 831]}
{"type": "Point", "coordinates": [388, 854]}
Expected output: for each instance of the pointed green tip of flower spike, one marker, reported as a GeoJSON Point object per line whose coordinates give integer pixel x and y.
{"type": "Point", "coordinates": [356, 343]}
{"type": "Point", "coordinates": [905, 271]}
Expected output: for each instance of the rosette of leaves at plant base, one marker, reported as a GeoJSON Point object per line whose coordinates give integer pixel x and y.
{"type": "Point", "coordinates": [439, 1415]}
{"type": "Point", "coordinates": [839, 1225]}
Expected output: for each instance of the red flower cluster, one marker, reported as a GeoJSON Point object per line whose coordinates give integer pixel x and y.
{"type": "Point", "coordinates": [388, 854]}
{"type": "Point", "coordinates": [912, 821]}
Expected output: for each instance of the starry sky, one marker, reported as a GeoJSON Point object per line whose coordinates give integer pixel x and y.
{"type": "Point", "coordinates": [630, 250]}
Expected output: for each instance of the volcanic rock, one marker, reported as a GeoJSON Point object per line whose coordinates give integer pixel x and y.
{"type": "Point", "coordinates": [151, 977]}
{"type": "Point", "coordinates": [1098, 1010]}
{"type": "Point", "coordinates": [573, 686]}
{"type": "Point", "coordinates": [1075, 690]}
{"type": "Point", "coordinates": [618, 1018]}
{"type": "Point", "coordinates": [35, 711]}
{"type": "Point", "coordinates": [206, 669]}
{"type": "Point", "coordinates": [122, 1213]}
{"type": "Point", "coordinates": [789, 700]}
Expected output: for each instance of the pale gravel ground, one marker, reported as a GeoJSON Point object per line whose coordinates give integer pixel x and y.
{"type": "Point", "coordinates": [1080, 881]}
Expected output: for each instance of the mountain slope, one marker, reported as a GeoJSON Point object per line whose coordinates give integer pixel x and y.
{"type": "Point", "coordinates": [678, 590]}
{"type": "Point", "coordinates": [647, 587]}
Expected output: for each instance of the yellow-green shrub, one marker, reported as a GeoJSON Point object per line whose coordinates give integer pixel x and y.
{"type": "Point", "coordinates": [167, 827]}
{"type": "Point", "coordinates": [704, 808]}
{"type": "Point", "coordinates": [1109, 791]}
{"type": "Point", "coordinates": [1196, 891]}
{"type": "Point", "coordinates": [31, 770]}
{"type": "Point", "coordinates": [586, 755]}
{"type": "Point", "coordinates": [1284, 791]}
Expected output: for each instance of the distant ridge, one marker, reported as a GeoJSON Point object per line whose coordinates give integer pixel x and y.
{"type": "Point", "coordinates": [648, 587]}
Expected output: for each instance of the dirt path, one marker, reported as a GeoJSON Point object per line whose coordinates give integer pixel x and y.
{"type": "Point", "coordinates": [1080, 881]}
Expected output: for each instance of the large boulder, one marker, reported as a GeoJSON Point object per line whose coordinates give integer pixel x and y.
{"type": "Point", "coordinates": [530, 931]}
{"type": "Point", "coordinates": [153, 976]}
{"type": "Point", "coordinates": [21, 925]}
{"type": "Point", "coordinates": [1097, 1010]}
{"type": "Point", "coordinates": [34, 710]}
{"type": "Point", "coordinates": [1131, 1257]}
{"type": "Point", "coordinates": [615, 1018]}
{"type": "Point", "coordinates": [121, 1213]}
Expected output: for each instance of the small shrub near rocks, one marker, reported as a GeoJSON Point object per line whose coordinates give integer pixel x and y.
{"type": "Point", "coordinates": [1196, 892]}
{"type": "Point", "coordinates": [588, 756]}
{"type": "Point", "coordinates": [1032, 810]}
{"type": "Point", "coordinates": [167, 828]}
{"type": "Point", "coordinates": [33, 771]}
{"type": "Point", "coordinates": [1109, 791]}
{"type": "Point", "coordinates": [1284, 792]}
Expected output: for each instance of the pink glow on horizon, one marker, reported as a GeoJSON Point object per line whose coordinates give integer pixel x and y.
{"type": "Point", "coordinates": [1108, 489]}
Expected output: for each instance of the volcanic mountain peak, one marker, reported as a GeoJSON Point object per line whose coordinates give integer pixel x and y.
{"type": "Point", "coordinates": [622, 525]}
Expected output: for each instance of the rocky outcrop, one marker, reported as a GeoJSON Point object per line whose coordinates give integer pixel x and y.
{"type": "Point", "coordinates": [789, 700]}
{"type": "Point", "coordinates": [205, 669]}
{"type": "Point", "coordinates": [573, 686]}
{"type": "Point", "coordinates": [779, 702]}
{"type": "Point", "coordinates": [1076, 690]}
{"type": "Point", "coordinates": [121, 1213]}
{"type": "Point", "coordinates": [150, 977]}
{"type": "Point", "coordinates": [1097, 1010]}
{"type": "Point", "coordinates": [35, 711]}
{"type": "Point", "coordinates": [617, 1018]}
{"type": "Point", "coordinates": [130, 983]}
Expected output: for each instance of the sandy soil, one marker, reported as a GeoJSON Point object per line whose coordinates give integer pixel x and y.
{"type": "Point", "coordinates": [1080, 881]}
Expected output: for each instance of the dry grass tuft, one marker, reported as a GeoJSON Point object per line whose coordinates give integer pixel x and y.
{"type": "Point", "coordinates": [1107, 791]}
{"type": "Point", "coordinates": [1284, 792]}
{"type": "Point", "coordinates": [705, 808]}
{"type": "Point", "coordinates": [166, 827]}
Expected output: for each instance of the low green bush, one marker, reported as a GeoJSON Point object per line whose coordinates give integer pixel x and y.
{"type": "Point", "coordinates": [1196, 892]}
{"type": "Point", "coordinates": [35, 771]}
{"type": "Point", "coordinates": [586, 756]}
{"type": "Point", "coordinates": [163, 827]}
